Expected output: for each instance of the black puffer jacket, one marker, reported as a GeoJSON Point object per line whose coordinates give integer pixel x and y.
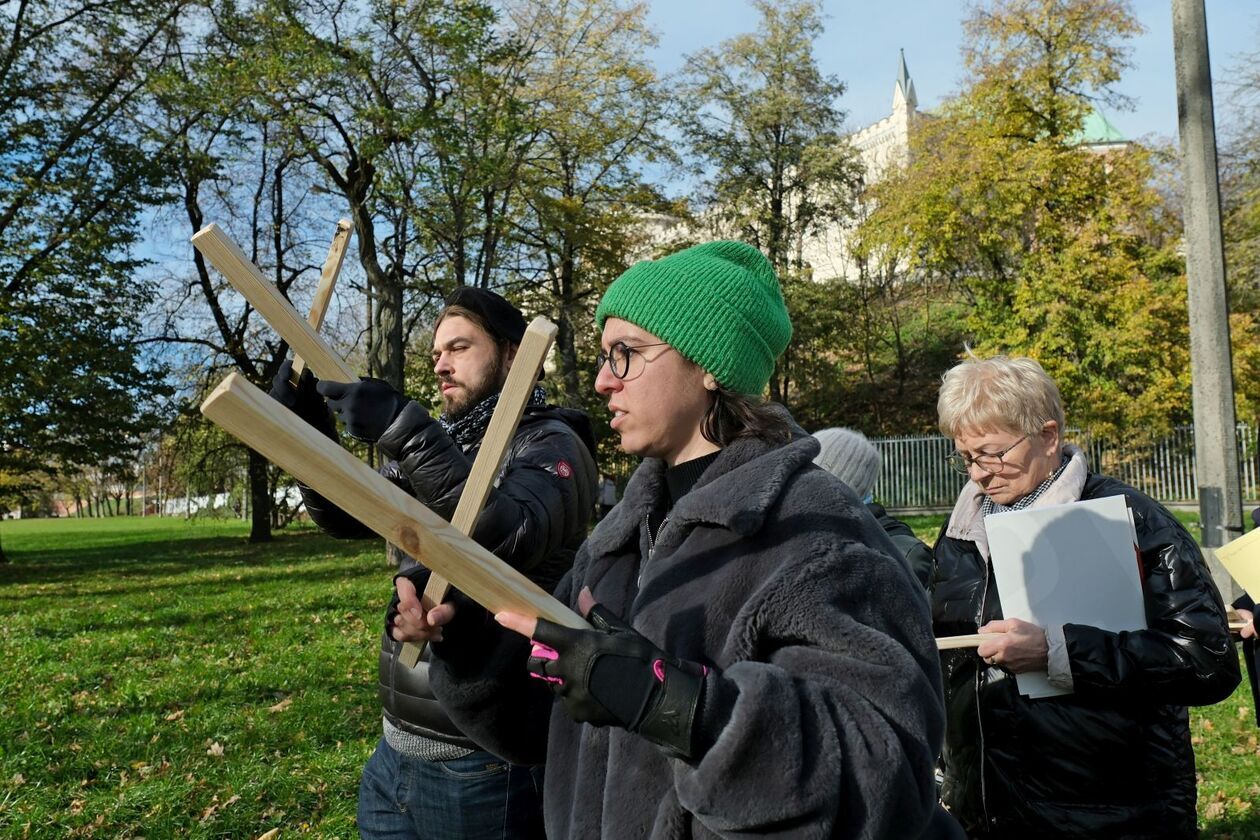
{"type": "Point", "coordinates": [1114, 758]}
{"type": "Point", "coordinates": [534, 519]}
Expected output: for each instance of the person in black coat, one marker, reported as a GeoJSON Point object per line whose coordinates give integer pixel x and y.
{"type": "Point", "coordinates": [1113, 758]}
{"type": "Point", "coordinates": [426, 777]}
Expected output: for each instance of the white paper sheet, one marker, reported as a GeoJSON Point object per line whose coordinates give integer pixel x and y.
{"type": "Point", "coordinates": [1067, 564]}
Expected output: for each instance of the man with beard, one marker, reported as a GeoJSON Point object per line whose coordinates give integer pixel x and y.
{"type": "Point", "coordinates": [426, 779]}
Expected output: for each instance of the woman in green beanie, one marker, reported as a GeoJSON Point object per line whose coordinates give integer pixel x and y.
{"type": "Point", "coordinates": [757, 665]}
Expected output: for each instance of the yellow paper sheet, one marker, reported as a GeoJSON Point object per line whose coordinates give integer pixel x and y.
{"type": "Point", "coordinates": [1241, 558]}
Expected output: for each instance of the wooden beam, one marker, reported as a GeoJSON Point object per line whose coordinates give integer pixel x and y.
{"type": "Point", "coordinates": [323, 292]}
{"type": "Point", "coordinates": [245, 277]}
{"type": "Point", "coordinates": [1236, 625]}
{"type": "Point", "coordinates": [296, 447]}
{"type": "Point", "coordinates": [521, 379]}
{"type": "Point", "coordinates": [973, 640]}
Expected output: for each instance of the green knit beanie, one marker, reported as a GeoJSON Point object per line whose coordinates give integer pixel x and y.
{"type": "Point", "coordinates": [719, 304]}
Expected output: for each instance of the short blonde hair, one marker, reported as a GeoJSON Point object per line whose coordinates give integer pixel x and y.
{"type": "Point", "coordinates": [1000, 393]}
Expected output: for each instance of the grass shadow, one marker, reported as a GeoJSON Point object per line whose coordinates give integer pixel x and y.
{"type": "Point", "coordinates": [1242, 827]}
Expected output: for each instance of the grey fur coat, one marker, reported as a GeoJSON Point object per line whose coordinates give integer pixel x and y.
{"type": "Point", "coordinates": [823, 703]}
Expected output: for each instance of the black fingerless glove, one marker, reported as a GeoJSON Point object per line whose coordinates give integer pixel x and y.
{"type": "Point", "coordinates": [612, 675]}
{"type": "Point", "coordinates": [304, 400]}
{"type": "Point", "coordinates": [367, 407]}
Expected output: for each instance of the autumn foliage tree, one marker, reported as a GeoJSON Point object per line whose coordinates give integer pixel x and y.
{"type": "Point", "coordinates": [764, 123]}
{"type": "Point", "coordinates": [1060, 250]}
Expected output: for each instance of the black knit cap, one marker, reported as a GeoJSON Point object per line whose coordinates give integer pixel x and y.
{"type": "Point", "coordinates": [503, 320]}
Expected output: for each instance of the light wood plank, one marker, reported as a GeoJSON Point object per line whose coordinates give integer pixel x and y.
{"type": "Point", "coordinates": [1236, 625]}
{"type": "Point", "coordinates": [323, 292]}
{"type": "Point", "coordinates": [296, 447]}
{"type": "Point", "coordinates": [970, 641]}
{"type": "Point", "coordinates": [521, 379]}
{"type": "Point", "coordinates": [245, 277]}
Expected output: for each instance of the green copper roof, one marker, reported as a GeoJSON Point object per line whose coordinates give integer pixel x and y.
{"type": "Point", "coordinates": [1098, 131]}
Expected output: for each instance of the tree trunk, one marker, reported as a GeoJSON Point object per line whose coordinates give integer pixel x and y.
{"type": "Point", "coordinates": [385, 336]}
{"type": "Point", "coordinates": [387, 355]}
{"type": "Point", "coordinates": [564, 332]}
{"type": "Point", "coordinates": [260, 499]}
{"type": "Point", "coordinates": [568, 358]}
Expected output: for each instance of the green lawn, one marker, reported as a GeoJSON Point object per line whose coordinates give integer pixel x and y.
{"type": "Point", "coordinates": [164, 678]}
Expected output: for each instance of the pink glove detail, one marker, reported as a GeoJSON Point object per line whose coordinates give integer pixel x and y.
{"type": "Point", "coordinates": [541, 651]}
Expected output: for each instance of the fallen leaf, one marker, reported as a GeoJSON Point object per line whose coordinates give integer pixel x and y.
{"type": "Point", "coordinates": [18, 779]}
{"type": "Point", "coordinates": [216, 749]}
{"type": "Point", "coordinates": [178, 714]}
{"type": "Point", "coordinates": [76, 807]}
{"type": "Point", "coordinates": [216, 805]}
{"type": "Point", "coordinates": [270, 835]}
{"type": "Point", "coordinates": [282, 705]}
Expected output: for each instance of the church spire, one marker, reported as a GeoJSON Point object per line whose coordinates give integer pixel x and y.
{"type": "Point", "coordinates": [904, 91]}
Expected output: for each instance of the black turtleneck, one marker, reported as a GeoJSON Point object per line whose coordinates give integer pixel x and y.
{"type": "Point", "coordinates": [679, 479]}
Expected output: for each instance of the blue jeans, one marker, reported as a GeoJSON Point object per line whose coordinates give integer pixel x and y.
{"type": "Point", "coordinates": [477, 797]}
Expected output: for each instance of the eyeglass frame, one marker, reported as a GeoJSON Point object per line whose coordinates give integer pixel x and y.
{"type": "Point", "coordinates": [629, 350]}
{"type": "Point", "coordinates": [961, 463]}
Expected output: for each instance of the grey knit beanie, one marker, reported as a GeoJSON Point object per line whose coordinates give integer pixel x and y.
{"type": "Point", "coordinates": [850, 457]}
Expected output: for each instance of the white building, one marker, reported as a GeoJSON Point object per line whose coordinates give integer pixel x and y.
{"type": "Point", "coordinates": [879, 145]}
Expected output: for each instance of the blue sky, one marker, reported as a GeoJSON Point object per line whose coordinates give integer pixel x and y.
{"type": "Point", "coordinates": [862, 38]}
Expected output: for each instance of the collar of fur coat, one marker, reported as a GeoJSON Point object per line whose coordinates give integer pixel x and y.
{"type": "Point", "coordinates": [966, 523]}
{"type": "Point", "coordinates": [735, 492]}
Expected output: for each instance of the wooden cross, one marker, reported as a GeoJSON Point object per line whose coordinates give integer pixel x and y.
{"type": "Point", "coordinates": [445, 548]}
{"type": "Point", "coordinates": [260, 422]}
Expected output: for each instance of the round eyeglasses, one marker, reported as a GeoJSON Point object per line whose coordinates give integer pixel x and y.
{"type": "Point", "coordinates": [990, 462]}
{"type": "Point", "coordinates": [618, 357]}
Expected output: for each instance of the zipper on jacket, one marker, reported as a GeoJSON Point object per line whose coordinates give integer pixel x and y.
{"type": "Point", "coordinates": [647, 526]}
{"type": "Point", "coordinates": [984, 794]}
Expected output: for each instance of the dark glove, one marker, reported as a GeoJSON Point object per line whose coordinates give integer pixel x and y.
{"type": "Point", "coordinates": [304, 400]}
{"type": "Point", "coordinates": [612, 675]}
{"type": "Point", "coordinates": [367, 407]}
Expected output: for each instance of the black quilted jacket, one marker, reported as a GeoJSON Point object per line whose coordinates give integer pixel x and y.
{"type": "Point", "coordinates": [534, 519]}
{"type": "Point", "coordinates": [1114, 758]}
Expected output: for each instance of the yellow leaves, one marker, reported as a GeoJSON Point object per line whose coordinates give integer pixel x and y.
{"type": "Point", "coordinates": [214, 748]}
{"type": "Point", "coordinates": [281, 706]}
{"type": "Point", "coordinates": [178, 714]}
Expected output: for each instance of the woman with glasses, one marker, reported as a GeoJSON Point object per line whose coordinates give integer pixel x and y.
{"type": "Point", "coordinates": [1113, 758]}
{"type": "Point", "coordinates": [756, 664]}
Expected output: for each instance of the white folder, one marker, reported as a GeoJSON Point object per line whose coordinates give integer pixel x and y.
{"type": "Point", "coordinates": [1067, 564]}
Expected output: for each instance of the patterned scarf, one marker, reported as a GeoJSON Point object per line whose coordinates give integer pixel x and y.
{"type": "Point", "coordinates": [988, 506]}
{"type": "Point", "coordinates": [468, 430]}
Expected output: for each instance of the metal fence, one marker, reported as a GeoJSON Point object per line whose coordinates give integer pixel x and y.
{"type": "Point", "coordinates": [915, 475]}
